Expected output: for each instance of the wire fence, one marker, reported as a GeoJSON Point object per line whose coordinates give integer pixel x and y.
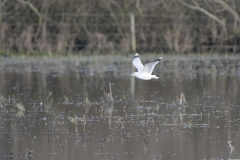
{"type": "Point", "coordinates": [71, 32]}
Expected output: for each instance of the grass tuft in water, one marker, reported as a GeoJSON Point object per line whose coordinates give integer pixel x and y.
{"type": "Point", "coordinates": [20, 110]}
{"type": "Point", "coordinates": [73, 119]}
{"type": "Point", "coordinates": [10, 105]}
{"type": "Point", "coordinates": [108, 103]}
{"type": "Point", "coordinates": [86, 104]}
{"type": "Point", "coordinates": [181, 102]}
{"type": "Point", "coordinates": [108, 97]}
{"type": "Point", "coordinates": [231, 148]}
{"type": "Point", "coordinates": [49, 106]}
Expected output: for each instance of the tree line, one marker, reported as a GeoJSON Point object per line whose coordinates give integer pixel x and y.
{"type": "Point", "coordinates": [66, 26]}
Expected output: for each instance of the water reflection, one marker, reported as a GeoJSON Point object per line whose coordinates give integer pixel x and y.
{"type": "Point", "coordinates": [71, 109]}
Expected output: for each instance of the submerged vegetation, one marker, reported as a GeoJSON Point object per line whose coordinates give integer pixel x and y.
{"type": "Point", "coordinates": [11, 106]}
{"type": "Point", "coordinates": [143, 122]}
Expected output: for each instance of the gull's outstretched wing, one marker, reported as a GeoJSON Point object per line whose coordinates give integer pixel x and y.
{"type": "Point", "coordinates": [148, 68]}
{"type": "Point", "coordinates": [137, 63]}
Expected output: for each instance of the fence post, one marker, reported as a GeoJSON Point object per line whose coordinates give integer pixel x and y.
{"type": "Point", "coordinates": [133, 42]}
{"type": "Point", "coordinates": [133, 37]}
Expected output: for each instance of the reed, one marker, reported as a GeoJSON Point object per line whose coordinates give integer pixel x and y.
{"type": "Point", "coordinates": [108, 103]}
{"type": "Point", "coordinates": [2, 102]}
{"type": "Point", "coordinates": [86, 104]}
{"type": "Point", "coordinates": [231, 149]}
{"type": "Point", "coordinates": [20, 110]}
{"type": "Point", "coordinates": [49, 104]}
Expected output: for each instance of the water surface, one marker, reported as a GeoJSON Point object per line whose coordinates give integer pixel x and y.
{"type": "Point", "coordinates": [81, 108]}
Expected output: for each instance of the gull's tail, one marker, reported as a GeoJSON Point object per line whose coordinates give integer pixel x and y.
{"type": "Point", "coordinates": [154, 77]}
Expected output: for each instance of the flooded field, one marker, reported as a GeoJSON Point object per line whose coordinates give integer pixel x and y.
{"type": "Point", "coordinates": [91, 108]}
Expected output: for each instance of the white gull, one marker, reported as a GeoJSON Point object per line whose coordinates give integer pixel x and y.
{"type": "Point", "coordinates": [144, 72]}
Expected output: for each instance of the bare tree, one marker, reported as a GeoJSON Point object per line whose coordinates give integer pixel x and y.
{"type": "Point", "coordinates": [161, 25]}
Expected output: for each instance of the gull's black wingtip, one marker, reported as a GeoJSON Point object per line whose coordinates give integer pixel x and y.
{"type": "Point", "coordinates": [159, 59]}
{"type": "Point", "coordinates": [136, 55]}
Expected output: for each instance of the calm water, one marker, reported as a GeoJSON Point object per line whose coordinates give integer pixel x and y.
{"type": "Point", "coordinates": [93, 109]}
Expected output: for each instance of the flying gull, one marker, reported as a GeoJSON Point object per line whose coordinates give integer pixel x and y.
{"type": "Point", "coordinates": [144, 71]}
